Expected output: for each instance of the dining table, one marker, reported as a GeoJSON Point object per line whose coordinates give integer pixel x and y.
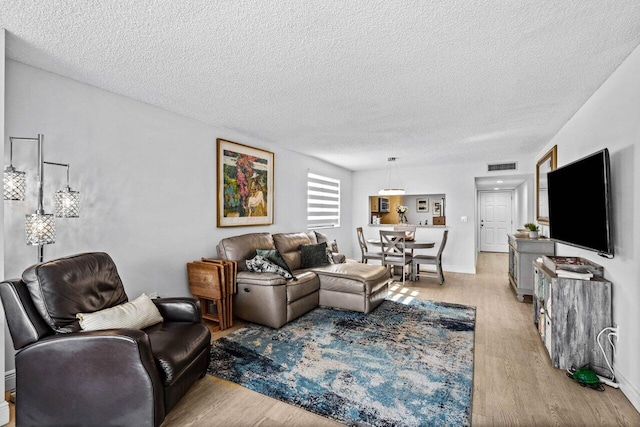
{"type": "Point", "coordinates": [409, 244]}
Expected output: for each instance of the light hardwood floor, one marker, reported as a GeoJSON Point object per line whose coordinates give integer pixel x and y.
{"type": "Point", "coordinates": [514, 383]}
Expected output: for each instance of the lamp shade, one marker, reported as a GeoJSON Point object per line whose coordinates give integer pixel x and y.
{"type": "Point", "coordinates": [391, 192]}
{"type": "Point", "coordinates": [14, 183]}
{"type": "Point", "coordinates": [40, 229]}
{"type": "Point", "coordinates": [67, 203]}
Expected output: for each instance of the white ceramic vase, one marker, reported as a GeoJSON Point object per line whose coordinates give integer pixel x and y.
{"type": "Point", "coordinates": [533, 234]}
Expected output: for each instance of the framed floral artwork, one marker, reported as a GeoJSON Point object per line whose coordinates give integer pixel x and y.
{"type": "Point", "coordinates": [245, 185]}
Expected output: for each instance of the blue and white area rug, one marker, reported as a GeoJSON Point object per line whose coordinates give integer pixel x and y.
{"type": "Point", "coordinates": [400, 365]}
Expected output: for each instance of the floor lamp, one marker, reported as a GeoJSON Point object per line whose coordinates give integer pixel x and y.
{"type": "Point", "coordinates": [40, 227]}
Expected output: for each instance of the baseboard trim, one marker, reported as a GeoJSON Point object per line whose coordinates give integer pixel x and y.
{"type": "Point", "coordinates": [629, 390]}
{"type": "Point", "coordinates": [5, 415]}
{"type": "Point", "coordinates": [458, 269]}
{"type": "Point", "coordinates": [446, 268]}
{"type": "Point", "coordinates": [10, 380]}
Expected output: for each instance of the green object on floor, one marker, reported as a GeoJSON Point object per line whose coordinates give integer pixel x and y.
{"type": "Point", "coordinates": [586, 378]}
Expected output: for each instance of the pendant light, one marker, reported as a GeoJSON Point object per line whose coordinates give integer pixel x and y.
{"type": "Point", "coordinates": [391, 190]}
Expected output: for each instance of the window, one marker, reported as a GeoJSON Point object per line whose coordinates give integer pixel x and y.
{"type": "Point", "coordinates": [323, 201]}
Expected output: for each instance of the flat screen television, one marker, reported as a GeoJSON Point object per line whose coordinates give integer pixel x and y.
{"type": "Point", "coordinates": [580, 204]}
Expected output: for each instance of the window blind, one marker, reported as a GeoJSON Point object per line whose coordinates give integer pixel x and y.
{"type": "Point", "coordinates": [323, 201]}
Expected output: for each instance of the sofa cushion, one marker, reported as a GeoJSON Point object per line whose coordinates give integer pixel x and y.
{"type": "Point", "coordinates": [260, 264]}
{"type": "Point", "coordinates": [313, 236]}
{"type": "Point", "coordinates": [332, 245]}
{"type": "Point", "coordinates": [320, 237]}
{"type": "Point", "coordinates": [82, 283]}
{"type": "Point", "coordinates": [355, 278]}
{"type": "Point", "coordinates": [288, 244]}
{"type": "Point", "coordinates": [306, 284]}
{"type": "Point", "coordinates": [314, 255]}
{"type": "Point", "coordinates": [137, 314]}
{"type": "Point", "coordinates": [243, 247]}
{"type": "Point", "coordinates": [274, 256]}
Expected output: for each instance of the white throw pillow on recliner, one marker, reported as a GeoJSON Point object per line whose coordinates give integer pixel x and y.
{"type": "Point", "coordinates": [136, 314]}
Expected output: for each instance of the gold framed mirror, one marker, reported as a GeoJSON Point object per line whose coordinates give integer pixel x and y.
{"type": "Point", "coordinates": [546, 164]}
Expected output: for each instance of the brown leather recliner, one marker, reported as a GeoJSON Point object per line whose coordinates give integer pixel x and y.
{"type": "Point", "coordinates": [125, 377]}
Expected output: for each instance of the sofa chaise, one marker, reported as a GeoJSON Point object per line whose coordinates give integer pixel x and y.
{"type": "Point", "coordinates": [270, 299]}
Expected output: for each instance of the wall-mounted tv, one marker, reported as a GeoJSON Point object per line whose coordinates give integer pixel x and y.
{"type": "Point", "coordinates": [580, 204]}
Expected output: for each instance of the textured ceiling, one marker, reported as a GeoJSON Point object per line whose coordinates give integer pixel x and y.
{"type": "Point", "coordinates": [350, 82]}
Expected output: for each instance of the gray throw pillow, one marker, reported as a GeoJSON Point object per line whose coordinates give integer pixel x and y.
{"type": "Point", "coordinates": [275, 257]}
{"type": "Point", "coordinates": [314, 255]}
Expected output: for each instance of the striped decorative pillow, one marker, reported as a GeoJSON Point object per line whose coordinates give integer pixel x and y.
{"type": "Point", "coordinates": [136, 314]}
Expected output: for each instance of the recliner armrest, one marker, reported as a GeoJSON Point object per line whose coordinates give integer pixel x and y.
{"type": "Point", "coordinates": [85, 378]}
{"type": "Point", "coordinates": [180, 309]}
{"type": "Point", "coordinates": [264, 279]}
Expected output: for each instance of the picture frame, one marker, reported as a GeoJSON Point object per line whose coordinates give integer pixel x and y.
{"type": "Point", "coordinates": [437, 209]}
{"type": "Point", "coordinates": [422, 204]}
{"type": "Point", "coordinates": [244, 185]}
{"type": "Point", "coordinates": [546, 164]}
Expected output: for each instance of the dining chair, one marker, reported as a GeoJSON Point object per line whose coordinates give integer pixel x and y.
{"type": "Point", "coordinates": [435, 260]}
{"type": "Point", "coordinates": [409, 230]}
{"type": "Point", "coordinates": [366, 255]}
{"type": "Point", "coordinates": [394, 251]}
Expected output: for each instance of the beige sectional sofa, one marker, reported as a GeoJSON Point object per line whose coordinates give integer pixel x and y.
{"type": "Point", "coordinates": [270, 299]}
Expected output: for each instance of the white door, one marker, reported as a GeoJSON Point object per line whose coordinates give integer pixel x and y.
{"type": "Point", "coordinates": [495, 221]}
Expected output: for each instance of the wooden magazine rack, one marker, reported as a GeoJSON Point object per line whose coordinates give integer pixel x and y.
{"type": "Point", "coordinates": [213, 283]}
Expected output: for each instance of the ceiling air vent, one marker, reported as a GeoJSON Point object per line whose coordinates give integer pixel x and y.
{"type": "Point", "coordinates": [510, 166]}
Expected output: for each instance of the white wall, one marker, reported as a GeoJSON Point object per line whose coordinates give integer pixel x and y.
{"type": "Point", "coordinates": [147, 182]}
{"type": "Point", "coordinates": [4, 406]}
{"type": "Point", "coordinates": [523, 204]}
{"type": "Point", "coordinates": [611, 119]}
{"type": "Point", "coordinates": [456, 182]}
